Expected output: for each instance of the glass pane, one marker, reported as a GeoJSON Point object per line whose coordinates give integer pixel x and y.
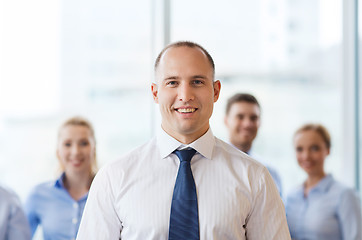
{"type": "Point", "coordinates": [292, 62]}
{"type": "Point", "coordinates": [89, 58]}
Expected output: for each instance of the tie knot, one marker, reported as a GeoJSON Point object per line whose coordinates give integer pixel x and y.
{"type": "Point", "coordinates": [185, 155]}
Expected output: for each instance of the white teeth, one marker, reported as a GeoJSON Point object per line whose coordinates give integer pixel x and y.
{"type": "Point", "coordinates": [186, 110]}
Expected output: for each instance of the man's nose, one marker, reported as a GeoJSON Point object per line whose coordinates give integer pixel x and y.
{"type": "Point", "coordinates": [248, 122]}
{"type": "Point", "coordinates": [185, 92]}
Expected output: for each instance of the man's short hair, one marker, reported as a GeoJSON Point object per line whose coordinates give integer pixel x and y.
{"type": "Point", "coordinates": [185, 44]}
{"type": "Point", "coordinates": [241, 97]}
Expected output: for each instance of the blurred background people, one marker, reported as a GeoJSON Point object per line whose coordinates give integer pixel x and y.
{"type": "Point", "coordinates": [13, 223]}
{"type": "Point", "coordinates": [58, 205]}
{"type": "Point", "coordinates": [242, 119]}
{"type": "Point", "coordinates": [321, 208]}
{"type": "Point", "coordinates": [94, 58]}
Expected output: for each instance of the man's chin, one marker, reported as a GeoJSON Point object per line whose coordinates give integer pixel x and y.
{"type": "Point", "coordinates": [245, 140]}
{"type": "Point", "coordinates": [187, 131]}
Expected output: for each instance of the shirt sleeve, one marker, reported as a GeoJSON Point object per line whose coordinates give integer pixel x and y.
{"type": "Point", "coordinates": [267, 219]}
{"type": "Point", "coordinates": [18, 227]}
{"type": "Point", "coordinates": [349, 214]}
{"type": "Point", "coordinates": [100, 219]}
{"type": "Point", "coordinates": [276, 179]}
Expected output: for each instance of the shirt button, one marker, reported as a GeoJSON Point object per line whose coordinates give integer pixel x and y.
{"type": "Point", "coordinates": [74, 220]}
{"type": "Point", "coordinates": [75, 205]}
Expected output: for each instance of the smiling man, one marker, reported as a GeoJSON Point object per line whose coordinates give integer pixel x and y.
{"type": "Point", "coordinates": [185, 91]}
{"type": "Point", "coordinates": [184, 183]}
{"type": "Point", "coordinates": [242, 119]}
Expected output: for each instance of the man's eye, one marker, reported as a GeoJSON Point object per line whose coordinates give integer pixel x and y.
{"type": "Point", "coordinates": [67, 144]}
{"type": "Point", "coordinates": [171, 83]}
{"type": "Point", "coordinates": [240, 117]}
{"type": "Point", "coordinates": [198, 82]}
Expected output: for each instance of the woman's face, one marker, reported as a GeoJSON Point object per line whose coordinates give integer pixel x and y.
{"type": "Point", "coordinates": [311, 150]}
{"type": "Point", "coordinates": [76, 149]}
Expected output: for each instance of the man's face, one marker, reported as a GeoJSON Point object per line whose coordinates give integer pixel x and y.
{"type": "Point", "coordinates": [185, 92]}
{"type": "Point", "coordinates": [243, 121]}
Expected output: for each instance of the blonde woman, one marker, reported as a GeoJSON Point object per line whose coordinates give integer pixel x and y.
{"type": "Point", "coordinates": [321, 208]}
{"type": "Point", "coordinates": [58, 205]}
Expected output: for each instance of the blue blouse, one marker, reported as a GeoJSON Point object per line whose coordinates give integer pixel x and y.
{"type": "Point", "coordinates": [50, 205]}
{"type": "Point", "coordinates": [331, 211]}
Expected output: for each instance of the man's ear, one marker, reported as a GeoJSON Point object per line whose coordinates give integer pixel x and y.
{"type": "Point", "coordinates": [154, 89]}
{"type": "Point", "coordinates": [217, 87]}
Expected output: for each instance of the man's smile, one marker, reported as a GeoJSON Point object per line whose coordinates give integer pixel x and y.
{"type": "Point", "coordinates": [186, 110]}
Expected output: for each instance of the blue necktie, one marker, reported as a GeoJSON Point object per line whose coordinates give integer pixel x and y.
{"type": "Point", "coordinates": [184, 218]}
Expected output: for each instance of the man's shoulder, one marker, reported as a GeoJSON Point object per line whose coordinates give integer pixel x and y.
{"type": "Point", "coordinates": [235, 154]}
{"type": "Point", "coordinates": [272, 170]}
{"type": "Point", "coordinates": [221, 145]}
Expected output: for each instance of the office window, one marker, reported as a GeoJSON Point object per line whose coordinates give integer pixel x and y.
{"type": "Point", "coordinates": [65, 58]}
{"type": "Point", "coordinates": [94, 58]}
{"type": "Point", "coordinates": [288, 54]}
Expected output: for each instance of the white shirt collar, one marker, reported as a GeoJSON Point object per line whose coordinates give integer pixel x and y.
{"type": "Point", "coordinates": [203, 145]}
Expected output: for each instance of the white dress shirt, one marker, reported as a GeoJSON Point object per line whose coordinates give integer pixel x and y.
{"type": "Point", "coordinates": [274, 173]}
{"type": "Point", "coordinates": [130, 199]}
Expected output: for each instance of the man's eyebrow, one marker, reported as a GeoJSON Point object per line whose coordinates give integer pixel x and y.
{"type": "Point", "coordinates": [170, 78]}
{"type": "Point", "coordinates": [176, 77]}
{"type": "Point", "coordinates": [200, 76]}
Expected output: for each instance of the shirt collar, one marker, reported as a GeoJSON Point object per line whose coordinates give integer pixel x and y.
{"type": "Point", "coordinates": [324, 184]}
{"type": "Point", "coordinates": [59, 183]}
{"type": "Point", "coordinates": [203, 145]}
{"type": "Point", "coordinates": [250, 152]}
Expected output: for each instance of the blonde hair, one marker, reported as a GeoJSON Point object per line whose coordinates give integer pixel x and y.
{"type": "Point", "coordinates": [318, 128]}
{"type": "Point", "coordinates": [80, 121]}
